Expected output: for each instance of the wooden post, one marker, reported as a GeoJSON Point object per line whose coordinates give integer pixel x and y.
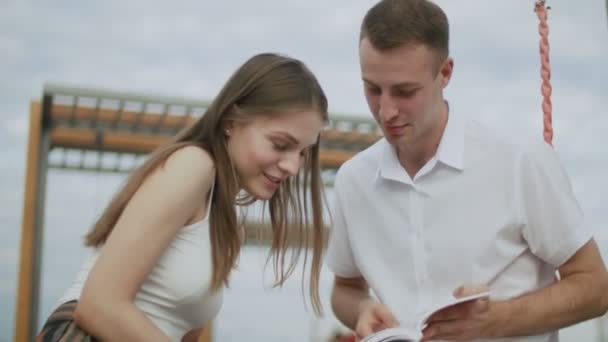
{"type": "Point", "coordinates": [31, 230]}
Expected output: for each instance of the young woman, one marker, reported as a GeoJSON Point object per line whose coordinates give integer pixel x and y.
{"type": "Point", "coordinates": [165, 245]}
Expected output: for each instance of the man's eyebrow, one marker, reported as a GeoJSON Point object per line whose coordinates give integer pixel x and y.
{"type": "Point", "coordinates": [398, 85]}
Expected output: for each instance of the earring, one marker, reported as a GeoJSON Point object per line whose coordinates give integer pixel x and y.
{"type": "Point", "coordinates": [227, 131]}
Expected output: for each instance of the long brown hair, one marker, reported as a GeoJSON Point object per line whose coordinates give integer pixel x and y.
{"type": "Point", "coordinates": [267, 84]}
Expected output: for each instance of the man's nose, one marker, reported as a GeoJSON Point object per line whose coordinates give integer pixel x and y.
{"type": "Point", "coordinates": [388, 108]}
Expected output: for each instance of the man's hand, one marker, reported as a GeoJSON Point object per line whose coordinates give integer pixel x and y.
{"type": "Point", "coordinates": [374, 317]}
{"type": "Point", "coordinates": [465, 321]}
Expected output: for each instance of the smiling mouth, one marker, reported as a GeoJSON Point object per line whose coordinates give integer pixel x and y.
{"type": "Point", "coordinates": [274, 180]}
{"type": "Point", "coordinates": [395, 129]}
{"type": "Point", "coordinates": [396, 126]}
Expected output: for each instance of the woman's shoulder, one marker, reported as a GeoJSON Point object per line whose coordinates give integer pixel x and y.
{"type": "Point", "coordinates": [192, 155]}
{"type": "Point", "coordinates": [192, 165]}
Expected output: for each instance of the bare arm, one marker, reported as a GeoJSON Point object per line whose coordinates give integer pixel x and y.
{"type": "Point", "coordinates": [168, 199]}
{"type": "Point", "coordinates": [580, 294]}
{"type": "Point", "coordinates": [353, 306]}
{"type": "Point", "coordinates": [347, 297]}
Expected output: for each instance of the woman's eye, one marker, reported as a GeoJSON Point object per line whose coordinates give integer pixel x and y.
{"type": "Point", "coordinates": [279, 147]}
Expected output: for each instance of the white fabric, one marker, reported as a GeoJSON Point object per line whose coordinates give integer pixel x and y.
{"type": "Point", "coordinates": [483, 210]}
{"type": "Point", "coordinates": [176, 294]}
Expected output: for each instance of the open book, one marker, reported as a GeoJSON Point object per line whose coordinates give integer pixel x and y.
{"type": "Point", "coordinates": [403, 334]}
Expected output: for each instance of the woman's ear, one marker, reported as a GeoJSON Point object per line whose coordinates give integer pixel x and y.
{"type": "Point", "coordinates": [228, 128]}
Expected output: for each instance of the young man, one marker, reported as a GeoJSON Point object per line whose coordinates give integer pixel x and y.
{"type": "Point", "coordinates": [441, 202]}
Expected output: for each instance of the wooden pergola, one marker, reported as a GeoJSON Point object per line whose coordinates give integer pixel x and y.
{"type": "Point", "coordinates": [119, 127]}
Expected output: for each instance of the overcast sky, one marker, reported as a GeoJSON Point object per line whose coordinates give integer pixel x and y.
{"type": "Point", "coordinates": [189, 48]}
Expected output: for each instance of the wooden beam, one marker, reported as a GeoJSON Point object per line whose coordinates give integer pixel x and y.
{"type": "Point", "coordinates": [333, 159]}
{"type": "Point", "coordinates": [173, 121]}
{"type": "Point", "coordinates": [104, 115]}
{"type": "Point", "coordinates": [333, 135]}
{"type": "Point", "coordinates": [25, 311]}
{"type": "Point", "coordinates": [88, 138]}
{"type": "Point", "coordinates": [260, 233]}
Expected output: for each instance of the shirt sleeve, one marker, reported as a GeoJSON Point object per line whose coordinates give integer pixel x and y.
{"type": "Point", "coordinates": [553, 220]}
{"type": "Point", "coordinates": [339, 257]}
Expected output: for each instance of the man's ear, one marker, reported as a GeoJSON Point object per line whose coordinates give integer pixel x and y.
{"type": "Point", "coordinates": [447, 67]}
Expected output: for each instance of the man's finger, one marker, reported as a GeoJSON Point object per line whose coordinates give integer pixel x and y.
{"type": "Point", "coordinates": [443, 330]}
{"type": "Point", "coordinates": [363, 330]}
{"type": "Point", "coordinates": [469, 289]}
{"type": "Point", "coordinates": [481, 305]}
{"type": "Point", "coordinates": [456, 311]}
{"type": "Point", "coordinates": [386, 317]}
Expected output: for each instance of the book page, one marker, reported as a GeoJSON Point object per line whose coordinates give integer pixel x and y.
{"type": "Point", "coordinates": [402, 334]}
{"type": "Point", "coordinates": [398, 334]}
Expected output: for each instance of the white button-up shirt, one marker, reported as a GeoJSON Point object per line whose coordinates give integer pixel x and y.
{"type": "Point", "coordinates": [483, 210]}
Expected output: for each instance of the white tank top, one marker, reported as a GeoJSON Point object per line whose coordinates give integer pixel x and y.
{"type": "Point", "coordinates": [176, 294]}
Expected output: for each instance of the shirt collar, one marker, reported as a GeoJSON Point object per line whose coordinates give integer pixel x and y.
{"type": "Point", "coordinates": [449, 152]}
{"type": "Point", "coordinates": [451, 146]}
